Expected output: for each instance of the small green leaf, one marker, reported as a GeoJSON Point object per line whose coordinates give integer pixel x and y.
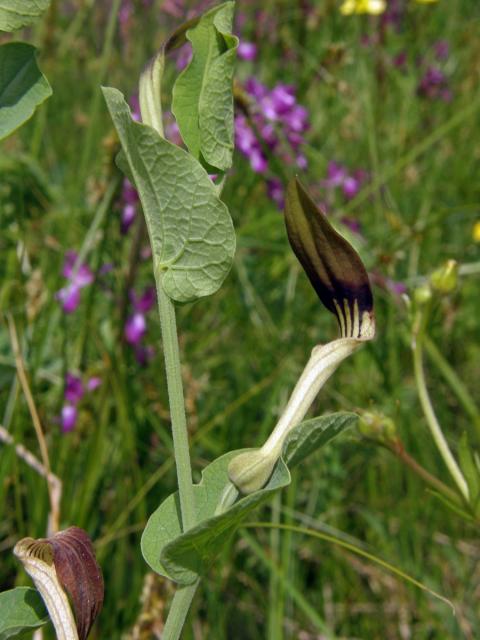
{"type": "Point", "coordinates": [190, 228]}
{"type": "Point", "coordinates": [332, 265]}
{"type": "Point", "coordinates": [20, 609]}
{"type": "Point", "coordinates": [181, 557]}
{"type": "Point", "coordinates": [202, 95]}
{"type": "Point", "coordinates": [15, 14]}
{"type": "Point", "coordinates": [22, 85]}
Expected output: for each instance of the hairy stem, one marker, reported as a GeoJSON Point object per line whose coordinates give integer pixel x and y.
{"type": "Point", "coordinates": [177, 407]}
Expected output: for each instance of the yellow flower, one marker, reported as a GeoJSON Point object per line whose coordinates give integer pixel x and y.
{"type": "Point", "coordinates": [373, 7]}
{"type": "Point", "coordinates": [476, 231]}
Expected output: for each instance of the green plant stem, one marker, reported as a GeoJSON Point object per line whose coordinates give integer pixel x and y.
{"type": "Point", "coordinates": [171, 354]}
{"type": "Point", "coordinates": [454, 382]}
{"type": "Point", "coordinates": [433, 424]}
{"type": "Point", "coordinates": [397, 448]}
{"type": "Point", "coordinates": [181, 603]}
{"type": "Point", "coordinates": [182, 599]}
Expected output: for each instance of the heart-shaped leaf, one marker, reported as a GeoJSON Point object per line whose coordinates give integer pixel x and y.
{"type": "Point", "coordinates": [190, 228]}
{"type": "Point", "coordinates": [183, 556]}
{"type": "Point", "coordinates": [22, 85]}
{"type": "Point", "coordinates": [15, 14]}
{"type": "Point", "coordinates": [202, 95]}
{"type": "Point", "coordinates": [21, 609]}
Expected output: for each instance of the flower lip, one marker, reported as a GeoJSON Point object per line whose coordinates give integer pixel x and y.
{"type": "Point", "coordinates": [332, 265]}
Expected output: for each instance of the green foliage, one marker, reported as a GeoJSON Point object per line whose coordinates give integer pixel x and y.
{"type": "Point", "coordinates": [202, 100]}
{"type": "Point", "coordinates": [182, 557]}
{"type": "Point", "coordinates": [23, 87]}
{"type": "Point", "coordinates": [15, 14]}
{"type": "Point", "coordinates": [20, 609]}
{"type": "Point", "coordinates": [190, 229]}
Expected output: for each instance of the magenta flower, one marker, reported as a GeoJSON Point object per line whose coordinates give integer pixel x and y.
{"type": "Point", "coordinates": [74, 392]}
{"type": "Point", "coordinates": [135, 328]}
{"type": "Point", "coordinates": [277, 123]}
{"type": "Point", "coordinates": [136, 324]}
{"type": "Point", "coordinates": [68, 418]}
{"type": "Point", "coordinates": [247, 51]}
{"type": "Point", "coordinates": [93, 383]}
{"type": "Point", "coordinates": [338, 176]}
{"type": "Point", "coordinates": [80, 277]}
{"type": "Point", "coordinates": [73, 388]}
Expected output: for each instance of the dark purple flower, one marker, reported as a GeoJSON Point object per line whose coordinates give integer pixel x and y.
{"type": "Point", "coordinates": [442, 50]}
{"type": "Point", "coordinates": [144, 354]}
{"type": "Point", "coordinates": [145, 301]}
{"type": "Point", "coordinates": [276, 192]}
{"type": "Point", "coordinates": [247, 51]}
{"type": "Point", "coordinates": [434, 85]}
{"type": "Point", "coordinates": [73, 388]}
{"type": "Point", "coordinates": [400, 60]}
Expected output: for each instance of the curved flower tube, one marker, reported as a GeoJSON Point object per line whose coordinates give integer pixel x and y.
{"type": "Point", "coordinates": [341, 282]}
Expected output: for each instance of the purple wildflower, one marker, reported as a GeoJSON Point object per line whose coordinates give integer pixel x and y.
{"type": "Point", "coordinates": [247, 51]}
{"type": "Point", "coordinates": [271, 111]}
{"type": "Point", "coordinates": [93, 383]}
{"type": "Point", "coordinates": [68, 418]}
{"type": "Point", "coordinates": [74, 392]}
{"type": "Point", "coordinates": [136, 324]}
{"type": "Point", "coordinates": [129, 203]}
{"type": "Point", "coordinates": [145, 302]}
{"type": "Point", "coordinates": [276, 192]}
{"type": "Point", "coordinates": [73, 388]}
{"type": "Point", "coordinates": [442, 50]}
{"type": "Point", "coordinates": [338, 176]}
{"type": "Point", "coordinates": [434, 85]}
{"type": "Point", "coordinates": [80, 277]}
{"type": "Point", "coordinates": [144, 354]}
{"type": "Point", "coordinates": [135, 328]}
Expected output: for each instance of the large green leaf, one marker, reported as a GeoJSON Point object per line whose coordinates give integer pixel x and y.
{"type": "Point", "coordinates": [22, 85]}
{"type": "Point", "coordinates": [181, 557]}
{"type": "Point", "coordinates": [20, 609]}
{"type": "Point", "coordinates": [15, 14]}
{"type": "Point", "coordinates": [202, 95]}
{"type": "Point", "coordinates": [190, 228]}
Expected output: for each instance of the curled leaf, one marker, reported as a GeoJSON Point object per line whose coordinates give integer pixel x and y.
{"type": "Point", "coordinates": [202, 100]}
{"type": "Point", "coordinates": [65, 564]}
{"type": "Point", "coordinates": [330, 262]}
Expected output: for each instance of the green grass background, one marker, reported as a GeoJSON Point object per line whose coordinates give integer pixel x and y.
{"type": "Point", "coordinates": [243, 348]}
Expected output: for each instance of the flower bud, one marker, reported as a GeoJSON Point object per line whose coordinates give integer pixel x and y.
{"type": "Point", "coordinates": [250, 471]}
{"type": "Point", "coordinates": [377, 426]}
{"type": "Point", "coordinates": [422, 294]}
{"type": "Point", "coordinates": [444, 280]}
